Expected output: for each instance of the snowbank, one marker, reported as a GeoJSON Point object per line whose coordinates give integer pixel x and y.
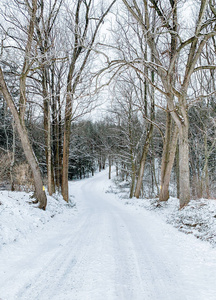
{"type": "Point", "coordinates": [18, 218]}
{"type": "Point", "coordinates": [198, 218]}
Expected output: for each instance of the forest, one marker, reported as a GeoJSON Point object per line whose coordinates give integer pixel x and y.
{"type": "Point", "coordinates": [127, 85]}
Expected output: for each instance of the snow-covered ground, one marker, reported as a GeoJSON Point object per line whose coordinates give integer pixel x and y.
{"type": "Point", "coordinates": [197, 218]}
{"type": "Point", "coordinates": [18, 218]}
{"type": "Point", "coordinates": [99, 250]}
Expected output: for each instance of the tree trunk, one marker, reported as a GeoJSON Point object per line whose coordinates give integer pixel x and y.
{"type": "Point", "coordinates": [205, 175]}
{"type": "Point", "coordinates": [117, 171]}
{"type": "Point", "coordinates": [207, 189]}
{"type": "Point", "coordinates": [142, 162]}
{"type": "Point", "coordinates": [123, 172]}
{"type": "Point", "coordinates": [152, 177]}
{"type": "Point", "coordinates": [13, 157]}
{"type": "Point", "coordinates": [29, 153]}
{"type": "Point", "coordinates": [65, 165]}
{"type": "Point", "coordinates": [54, 130]}
{"type": "Point", "coordinates": [184, 165]}
{"type": "Point", "coordinates": [47, 130]}
{"type": "Point", "coordinates": [103, 163]}
{"type": "Point", "coordinates": [99, 164]}
{"type": "Point", "coordinates": [155, 177]}
{"type": "Point", "coordinates": [50, 173]}
{"type": "Point", "coordinates": [177, 171]}
{"type": "Point", "coordinates": [58, 155]}
{"type": "Point", "coordinates": [133, 178]}
{"type": "Point", "coordinates": [110, 167]}
{"type": "Point", "coordinates": [168, 157]}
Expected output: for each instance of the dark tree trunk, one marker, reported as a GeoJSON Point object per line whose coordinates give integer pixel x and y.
{"type": "Point", "coordinates": [142, 162]}
{"type": "Point", "coordinates": [169, 149]}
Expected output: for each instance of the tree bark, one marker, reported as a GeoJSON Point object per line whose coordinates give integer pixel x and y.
{"type": "Point", "coordinates": [110, 166]}
{"type": "Point", "coordinates": [29, 153]}
{"type": "Point", "coordinates": [99, 164]}
{"type": "Point", "coordinates": [55, 131]}
{"type": "Point", "coordinates": [177, 171]}
{"type": "Point", "coordinates": [168, 157]}
{"type": "Point", "coordinates": [142, 162]}
{"type": "Point", "coordinates": [184, 180]}
{"type": "Point", "coordinates": [27, 62]}
{"type": "Point", "coordinates": [133, 178]}
{"type": "Point", "coordinates": [59, 152]}
{"type": "Point", "coordinates": [47, 130]}
{"type": "Point", "coordinates": [117, 169]}
{"type": "Point", "coordinates": [50, 172]}
{"type": "Point", "coordinates": [205, 174]}
{"type": "Point", "coordinates": [65, 164]}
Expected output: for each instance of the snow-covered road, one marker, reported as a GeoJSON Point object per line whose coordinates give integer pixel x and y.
{"type": "Point", "coordinates": [107, 251]}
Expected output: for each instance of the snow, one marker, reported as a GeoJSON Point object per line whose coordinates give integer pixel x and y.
{"type": "Point", "coordinates": [18, 218]}
{"type": "Point", "coordinates": [102, 249]}
{"type": "Point", "coordinates": [198, 218]}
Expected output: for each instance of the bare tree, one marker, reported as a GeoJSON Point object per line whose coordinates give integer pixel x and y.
{"type": "Point", "coordinates": [44, 28]}
{"type": "Point", "coordinates": [175, 76]}
{"type": "Point", "coordinates": [85, 30]}
{"type": "Point", "coordinates": [19, 116]}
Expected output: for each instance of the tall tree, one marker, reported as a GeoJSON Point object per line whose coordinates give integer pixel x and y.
{"type": "Point", "coordinates": [19, 115]}
{"type": "Point", "coordinates": [85, 30]}
{"type": "Point", "coordinates": [175, 83]}
{"type": "Point", "coordinates": [44, 29]}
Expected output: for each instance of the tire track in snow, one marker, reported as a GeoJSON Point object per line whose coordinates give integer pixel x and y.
{"type": "Point", "coordinates": [149, 268]}
{"type": "Point", "coordinates": [53, 276]}
{"type": "Point", "coordinates": [128, 276]}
